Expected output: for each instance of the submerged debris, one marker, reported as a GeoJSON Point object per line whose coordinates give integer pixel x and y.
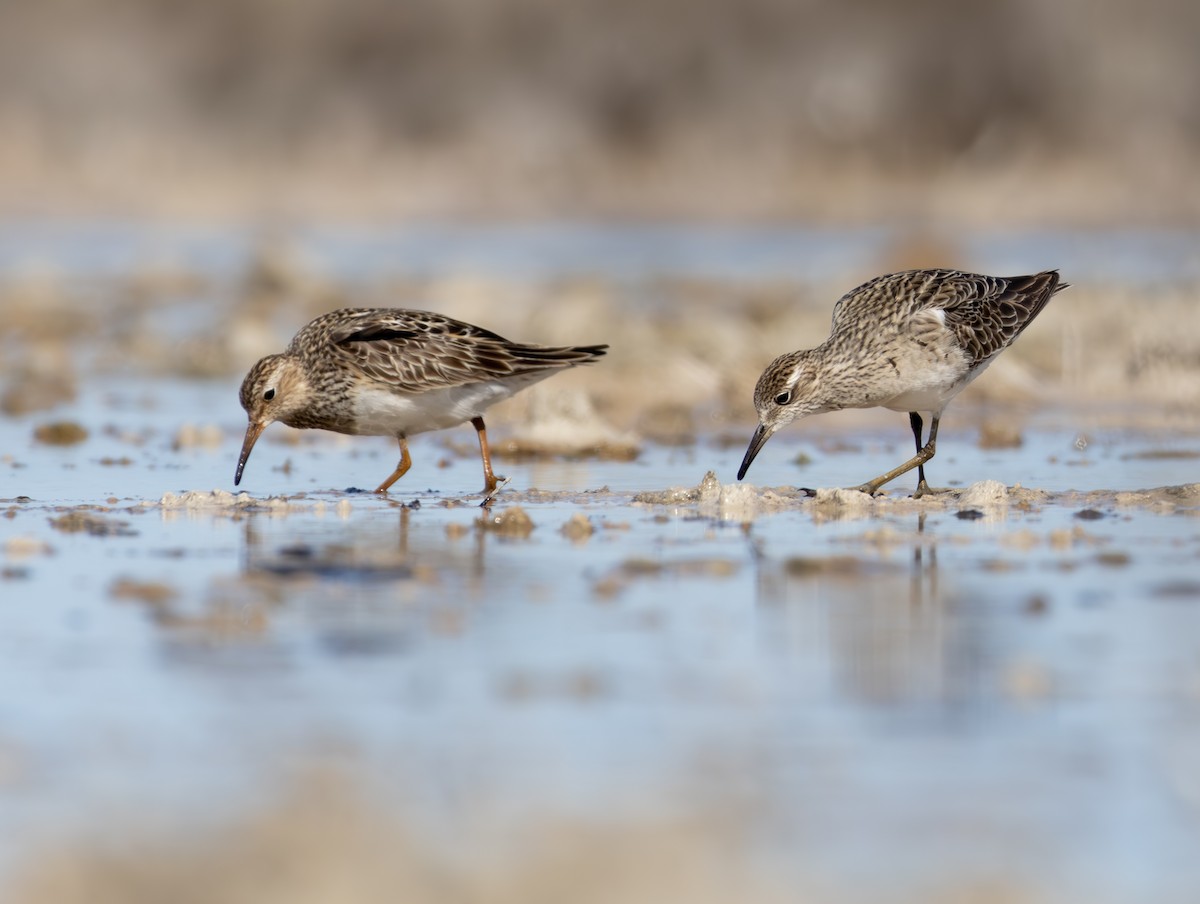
{"type": "Point", "coordinates": [1178, 590]}
{"type": "Point", "coordinates": [332, 561]}
{"type": "Point", "coordinates": [811, 566]}
{"type": "Point", "coordinates": [1162, 455]}
{"type": "Point", "coordinates": [512, 522]}
{"type": "Point", "coordinates": [153, 593]}
{"type": "Point", "coordinates": [641, 569]}
{"type": "Point", "coordinates": [82, 521]}
{"type": "Point", "coordinates": [22, 547]}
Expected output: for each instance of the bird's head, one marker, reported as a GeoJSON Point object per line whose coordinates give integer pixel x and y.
{"type": "Point", "coordinates": [274, 390]}
{"type": "Point", "coordinates": [787, 389]}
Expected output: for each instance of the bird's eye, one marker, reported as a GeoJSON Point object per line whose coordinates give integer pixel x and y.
{"type": "Point", "coordinates": [783, 398]}
{"type": "Point", "coordinates": [268, 395]}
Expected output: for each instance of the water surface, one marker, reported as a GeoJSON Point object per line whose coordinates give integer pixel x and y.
{"type": "Point", "coordinates": [865, 700]}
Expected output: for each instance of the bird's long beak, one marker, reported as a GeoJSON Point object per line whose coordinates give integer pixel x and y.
{"type": "Point", "coordinates": [252, 433]}
{"type": "Point", "coordinates": [757, 441]}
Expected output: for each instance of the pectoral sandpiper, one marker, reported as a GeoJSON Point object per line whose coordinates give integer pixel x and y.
{"type": "Point", "coordinates": [906, 341]}
{"type": "Point", "coordinates": [392, 372]}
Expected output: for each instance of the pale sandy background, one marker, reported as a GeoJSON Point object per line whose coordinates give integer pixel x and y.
{"type": "Point", "coordinates": [1073, 112]}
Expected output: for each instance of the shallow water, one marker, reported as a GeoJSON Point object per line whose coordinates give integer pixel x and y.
{"type": "Point", "coordinates": [992, 693]}
{"type": "Point", "coordinates": [900, 699]}
{"type": "Point", "coordinates": [545, 250]}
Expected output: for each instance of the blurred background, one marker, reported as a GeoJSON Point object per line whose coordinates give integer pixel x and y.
{"type": "Point", "coordinates": [1078, 111]}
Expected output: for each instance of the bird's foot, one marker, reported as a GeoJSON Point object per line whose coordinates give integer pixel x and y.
{"type": "Point", "coordinates": [490, 491]}
{"type": "Point", "coordinates": [869, 488]}
{"type": "Point", "coordinates": [924, 489]}
{"type": "Point", "coordinates": [811, 493]}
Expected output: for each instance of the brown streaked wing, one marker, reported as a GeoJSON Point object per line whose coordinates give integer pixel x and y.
{"type": "Point", "coordinates": [905, 293]}
{"type": "Point", "coordinates": [418, 350]}
{"type": "Point", "coordinates": [986, 313]}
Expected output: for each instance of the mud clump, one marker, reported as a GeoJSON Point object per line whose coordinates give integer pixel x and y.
{"type": "Point", "coordinates": [984, 493]}
{"type": "Point", "coordinates": [199, 500]}
{"type": "Point", "coordinates": [60, 433]}
{"type": "Point", "coordinates": [578, 529]}
{"type": "Point", "coordinates": [726, 502]}
{"type": "Point", "coordinates": [838, 498]}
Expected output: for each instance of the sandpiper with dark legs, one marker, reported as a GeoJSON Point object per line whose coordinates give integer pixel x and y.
{"type": "Point", "coordinates": [392, 372]}
{"type": "Point", "coordinates": [907, 341]}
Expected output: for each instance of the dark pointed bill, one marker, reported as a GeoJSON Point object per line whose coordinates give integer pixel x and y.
{"type": "Point", "coordinates": [252, 434]}
{"type": "Point", "coordinates": [761, 435]}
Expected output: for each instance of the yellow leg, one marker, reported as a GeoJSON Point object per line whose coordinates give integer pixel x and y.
{"type": "Point", "coordinates": [489, 479]}
{"type": "Point", "coordinates": [401, 469]}
{"type": "Point", "coordinates": [917, 461]}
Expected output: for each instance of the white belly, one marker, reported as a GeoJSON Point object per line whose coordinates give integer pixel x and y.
{"type": "Point", "coordinates": [933, 390]}
{"type": "Point", "coordinates": [381, 412]}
